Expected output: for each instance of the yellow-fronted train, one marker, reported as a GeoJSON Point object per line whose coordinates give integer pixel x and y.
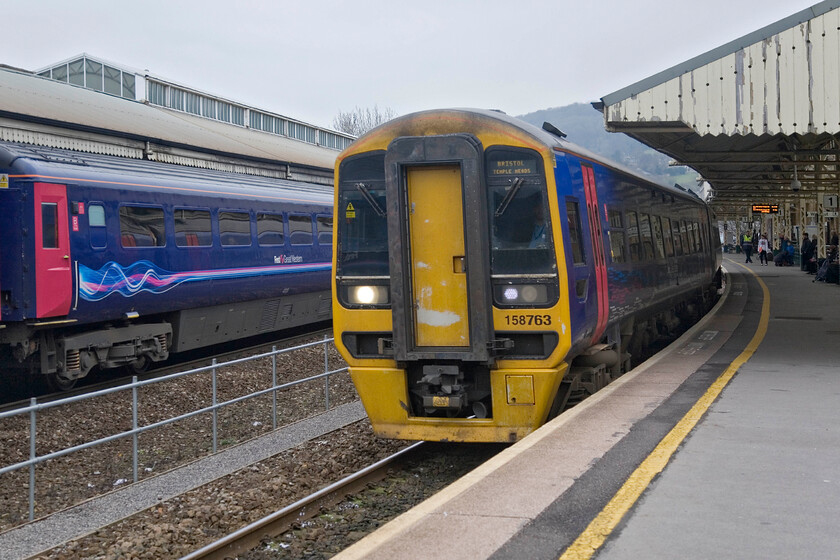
{"type": "Point", "coordinates": [487, 271]}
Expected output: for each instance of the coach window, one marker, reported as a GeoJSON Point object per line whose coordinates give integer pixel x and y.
{"type": "Point", "coordinates": [234, 228]}
{"type": "Point", "coordinates": [666, 234]}
{"type": "Point", "coordinates": [300, 230]}
{"type": "Point", "coordinates": [616, 235]}
{"type": "Point", "coordinates": [647, 237]}
{"type": "Point", "coordinates": [325, 229]}
{"type": "Point", "coordinates": [96, 226]}
{"type": "Point", "coordinates": [575, 234]}
{"type": "Point", "coordinates": [49, 225]}
{"type": "Point", "coordinates": [695, 233]}
{"type": "Point", "coordinates": [659, 243]}
{"type": "Point", "coordinates": [142, 226]}
{"type": "Point", "coordinates": [675, 229]}
{"type": "Point", "coordinates": [633, 237]}
{"type": "Point", "coordinates": [686, 241]}
{"type": "Point", "coordinates": [270, 229]}
{"type": "Point", "coordinates": [192, 228]}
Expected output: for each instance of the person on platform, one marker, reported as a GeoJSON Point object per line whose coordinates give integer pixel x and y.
{"type": "Point", "coordinates": [804, 252]}
{"type": "Point", "coordinates": [746, 246]}
{"type": "Point", "coordinates": [763, 249]}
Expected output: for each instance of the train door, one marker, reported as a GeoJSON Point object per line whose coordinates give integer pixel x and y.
{"type": "Point", "coordinates": [597, 240]}
{"type": "Point", "coordinates": [436, 232]}
{"type": "Point", "coordinates": [436, 212]}
{"type": "Point", "coordinates": [53, 280]}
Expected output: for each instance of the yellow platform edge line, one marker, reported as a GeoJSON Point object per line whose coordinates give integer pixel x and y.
{"type": "Point", "coordinates": [596, 533]}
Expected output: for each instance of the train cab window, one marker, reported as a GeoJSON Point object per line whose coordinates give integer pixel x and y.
{"type": "Point", "coordinates": [300, 229]}
{"type": "Point", "coordinates": [616, 236]}
{"type": "Point", "coordinates": [647, 237]}
{"type": "Point", "coordinates": [362, 223]}
{"type": "Point", "coordinates": [234, 229]}
{"type": "Point", "coordinates": [325, 226]}
{"type": "Point", "coordinates": [192, 228]}
{"type": "Point", "coordinates": [659, 241]}
{"type": "Point", "coordinates": [520, 223]}
{"type": "Point", "coordinates": [49, 225]}
{"type": "Point", "coordinates": [666, 234]}
{"type": "Point", "coordinates": [270, 229]}
{"type": "Point", "coordinates": [142, 226]}
{"type": "Point", "coordinates": [575, 234]}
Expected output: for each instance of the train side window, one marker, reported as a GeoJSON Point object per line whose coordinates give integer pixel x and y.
{"type": "Point", "coordinates": [575, 235]}
{"type": "Point", "coordinates": [647, 237]}
{"type": "Point", "coordinates": [666, 233]}
{"type": "Point", "coordinates": [300, 230]}
{"type": "Point", "coordinates": [235, 229]}
{"type": "Point", "coordinates": [633, 237]}
{"type": "Point", "coordinates": [686, 243]}
{"type": "Point", "coordinates": [96, 226]}
{"type": "Point", "coordinates": [192, 228]}
{"type": "Point", "coordinates": [659, 242]}
{"type": "Point", "coordinates": [695, 232]}
{"type": "Point", "coordinates": [675, 228]}
{"type": "Point", "coordinates": [616, 236]}
{"type": "Point", "coordinates": [96, 215]}
{"type": "Point", "coordinates": [270, 229]}
{"type": "Point", "coordinates": [49, 225]}
{"type": "Point", "coordinates": [325, 227]}
{"type": "Point", "coordinates": [142, 226]}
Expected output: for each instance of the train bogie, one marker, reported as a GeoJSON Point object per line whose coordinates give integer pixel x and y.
{"type": "Point", "coordinates": [487, 271]}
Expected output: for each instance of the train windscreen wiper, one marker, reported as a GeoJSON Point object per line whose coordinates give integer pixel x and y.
{"type": "Point", "coordinates": [362, 188]}
{"type": "Point", "coordinates": [514, 188]}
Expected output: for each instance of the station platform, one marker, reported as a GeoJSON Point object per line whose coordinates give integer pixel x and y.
{"type": "Point", "coordinates": [724, 445]}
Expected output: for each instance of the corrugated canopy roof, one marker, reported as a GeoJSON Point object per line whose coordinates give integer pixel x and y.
{"type": "Point", "coordinates": [749, 115]}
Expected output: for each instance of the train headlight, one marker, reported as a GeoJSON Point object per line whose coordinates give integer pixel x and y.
{"type": "Point", "coordinates": [368, 295]}
{"type": "Point", "coordinates": [524, 294]}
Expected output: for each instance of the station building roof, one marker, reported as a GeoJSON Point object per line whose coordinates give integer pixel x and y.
{"type": "Point", "coordinates": [96, 106]}
{"type": "Point", "coordinates": [758, 118]}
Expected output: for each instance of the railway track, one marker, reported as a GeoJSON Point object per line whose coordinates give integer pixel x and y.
{"type": "Point", "coordinates": [275, 524]}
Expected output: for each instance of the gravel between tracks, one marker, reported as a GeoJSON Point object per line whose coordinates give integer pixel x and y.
{"type": "Point", "coordinates": [69, 480]}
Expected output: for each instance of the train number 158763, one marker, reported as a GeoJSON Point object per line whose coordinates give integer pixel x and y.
{"type": "Point", "coordinates": [528, 319]}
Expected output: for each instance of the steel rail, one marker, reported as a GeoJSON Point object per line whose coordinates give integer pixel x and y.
{"type": "Point", "coordinates": [250, 536]}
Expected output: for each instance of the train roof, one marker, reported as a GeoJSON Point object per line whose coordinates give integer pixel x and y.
{"type": "Point", "coordinates": [482, 116]}
{"type": "Point", "coordinates": [124, 173]}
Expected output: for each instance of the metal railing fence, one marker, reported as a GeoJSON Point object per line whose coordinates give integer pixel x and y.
{"type": "Point", "coordinates": [34, 408]}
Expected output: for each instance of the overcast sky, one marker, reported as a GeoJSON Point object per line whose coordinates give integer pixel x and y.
{"type": "Point", "coordinates": [311, 59]}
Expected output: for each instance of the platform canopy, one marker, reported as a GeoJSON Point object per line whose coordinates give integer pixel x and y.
{"type": "Point", "coordinates": [758, 118]}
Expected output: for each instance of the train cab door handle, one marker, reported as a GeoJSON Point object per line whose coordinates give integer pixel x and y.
{"type": "Point", "coordinates": [459, 265]}
{"type": "Point", "coordinates": [66, 257]}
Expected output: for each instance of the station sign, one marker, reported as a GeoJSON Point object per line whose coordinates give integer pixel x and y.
{"type": "Point", "coordinates": [765, 208]}
{"type": "Point", "coordinates": [830, 200]}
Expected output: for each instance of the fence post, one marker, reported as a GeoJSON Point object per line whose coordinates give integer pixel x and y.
{"type": "Point", "coordinates": [215, 410]}
{"type": "Point", "coordinates": [32, 432]}
{"type": "Point", "coordinates": [274, 386]}
{"type": "Point", "coordinates": [327, 378]}
{"type": "Point", "coordinates": [134, 437]}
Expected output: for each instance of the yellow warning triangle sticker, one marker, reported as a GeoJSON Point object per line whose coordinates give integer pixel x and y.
{"type": "Point", "coordinates": [4, 181]}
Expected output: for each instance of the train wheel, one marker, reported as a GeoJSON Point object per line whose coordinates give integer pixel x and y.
{"type": "Point", "coordinates": [59, 383]}
{"type": "Point", "coordinates": [140, 365]}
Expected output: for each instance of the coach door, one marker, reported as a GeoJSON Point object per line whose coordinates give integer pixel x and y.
{"type": "Point", "coordinates": [439, 287]}
{"type": "Point", "coordinates": [53, 280]}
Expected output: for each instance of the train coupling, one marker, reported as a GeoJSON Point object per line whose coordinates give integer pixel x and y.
{"type": "Point", "coordinates": [443, 388]}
